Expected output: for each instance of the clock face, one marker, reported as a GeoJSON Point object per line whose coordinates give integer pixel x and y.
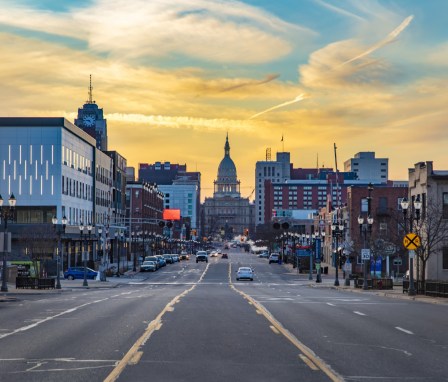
{"type": "Point", "coordinates": [88, 120]}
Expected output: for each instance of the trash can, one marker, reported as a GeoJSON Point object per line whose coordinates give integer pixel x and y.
{"type": "Point", "coordinates": [325, 270]}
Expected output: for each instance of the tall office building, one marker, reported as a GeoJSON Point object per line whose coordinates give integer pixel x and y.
{"type": "Point", "coordinates": [91, 120]}
{"type": "Point", "coordinates": [367, 167]}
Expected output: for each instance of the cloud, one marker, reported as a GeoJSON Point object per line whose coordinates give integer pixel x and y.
{"type": "Point", "coordinates": [269, 78]}
{"type": "Point", "coordinates": [207, 30]}
{"type": "Point", "coordinates": [338, 10]}
{"type": "Point", "coordinates": [299, 98]}
{"type": "Point", "coordinates": [341, 63]}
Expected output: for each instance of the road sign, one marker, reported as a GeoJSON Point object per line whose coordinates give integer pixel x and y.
{"type": "Point", "coordinates": [398, 261]}
{"type": "Point", "coordinates": [347, 266]}
{"type": "Point", "coordinates": [411, 241]}
{"type": "Point", "coordinates": [365, 254]}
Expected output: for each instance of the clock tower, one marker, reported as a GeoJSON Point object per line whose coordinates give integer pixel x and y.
{"type": "Point", "coordinates": [91, 120]}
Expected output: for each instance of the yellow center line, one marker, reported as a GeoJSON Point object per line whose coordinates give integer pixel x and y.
{"type": "Point", "coordinates": [307, 352]}
{"type": "Point", "coordinates": [135, 353]}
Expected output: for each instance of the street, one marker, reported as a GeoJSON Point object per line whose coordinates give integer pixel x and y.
{"type": "Point", "coordinates": [194, 322]}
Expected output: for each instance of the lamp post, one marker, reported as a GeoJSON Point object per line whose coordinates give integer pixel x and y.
{"type": "Point", "coordinates": [417, 207]}
{"type": "Point", "coordinates": [365, 232]}
{"type": "Point", "coordinates": [337, 231]}
{"type": "Point", "coordinates": [6, 213]}
{"type": "Point", "coordinates": [59, 232]}
{"type": "Point", "coordinates": [117, 251]}
{"type": "Point", "coordinates": [318, 248]}
{"type": "Point", "coordinates": [134, 265]}
{"type": "Point", "coordinates": [84, 254]}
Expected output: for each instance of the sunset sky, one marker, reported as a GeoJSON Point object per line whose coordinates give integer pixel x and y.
{"type": "Point", "coordinates": [175, 76]}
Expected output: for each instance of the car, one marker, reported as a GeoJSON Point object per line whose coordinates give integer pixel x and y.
{"type": "Point", "coordinates": [201, 256]}
{"type": "Point", "coordinates": [264, 255]}
{"type": "Point", "coordinates": [213, 254]}
{"type": "Point", "coordinates": [78, 273]}
{"type": "Point", "coordinates": [245, 273]}
{"type": "Point", "coordinates": [175, 257]}
{"type": "Point", "coordinates": [162, 260]}
{"type": "Point", "coordinates": [168, 258]}
{"type": "Point", "coordinates": [155, 259]}
{"type": "Point", "coordinates": [224, 256]}
{"type": "Point", "coordinates": [184, 256]}
{"type": "Point", "coordinates": [148, 266]}
{"type": "Point", "coordinates": [274, 258]}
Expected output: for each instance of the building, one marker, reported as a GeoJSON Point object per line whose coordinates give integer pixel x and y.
{"type": "Point", "coordinates": [368, 168]}
{"type": "Point", "coordinates": [91, 120]}
{"type": "Point", "coordinates": [431, 188]}
{"type": "Point", "coordinates": [50, 166]}
{"type": "Point", "coordinates": [276, 171]}
{"type": "Point", "coordinates": [227, 214]}
{"type": "Point", "coordinates": [181, 189]}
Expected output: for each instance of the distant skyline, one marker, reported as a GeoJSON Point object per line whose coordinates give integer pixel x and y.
{"type": "Point", "coordinates": [174, 77]}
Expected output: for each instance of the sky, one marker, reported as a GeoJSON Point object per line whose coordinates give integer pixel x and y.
{"type": "Point", "coordinates": [174, 77]}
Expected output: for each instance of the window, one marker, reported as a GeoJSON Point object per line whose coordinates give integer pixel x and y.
{"type": "Point", "coordinates": [445, 205]}
{"type": "Point", "coordinates": [364, 205]}
{"type": "Point", "coordinates": [445, 258]}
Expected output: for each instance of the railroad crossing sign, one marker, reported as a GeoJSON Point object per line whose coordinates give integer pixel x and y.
{"type": "Point", "coordinates": [411, 241]}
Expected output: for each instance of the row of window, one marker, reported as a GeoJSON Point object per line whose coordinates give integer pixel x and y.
{"type": "Point", "coordinates": [76, 188]}
{"type": "Point", "coordinates": [75, 160]}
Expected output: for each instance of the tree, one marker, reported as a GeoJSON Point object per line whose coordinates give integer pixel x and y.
{"type": "Point", "coordinates": [432, 229]}
{"type": "Point", "coordinates": [40, 242]}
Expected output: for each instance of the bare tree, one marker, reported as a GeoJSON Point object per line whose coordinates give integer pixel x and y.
{"type": "Point", "coordinates": [432, 230]}
{"type": "Point", "coordinates": [40, 242]}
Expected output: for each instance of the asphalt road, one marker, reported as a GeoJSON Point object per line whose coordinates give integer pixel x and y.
{"type": "Point", "coordinates": [195, 322]}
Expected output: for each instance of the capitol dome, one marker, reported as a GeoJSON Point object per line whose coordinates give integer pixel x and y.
{"type": "Point", "coordinates": [227, 183]}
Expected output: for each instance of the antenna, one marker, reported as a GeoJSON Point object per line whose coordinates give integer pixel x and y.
{"type": "Point", "coordinates": [90, 92]}
{"type": "Point", "coordinates": [268, 154]}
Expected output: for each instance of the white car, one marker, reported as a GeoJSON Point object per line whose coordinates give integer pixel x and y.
{"type": "Point", "coordinates": [244, 273]}
{"type": "Point", "coordinates": [213, 254]}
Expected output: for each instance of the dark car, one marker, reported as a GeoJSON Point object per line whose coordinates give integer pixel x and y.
{"type": "Point", "coordinates": [224, 256]}
{"type": "Point", "coordinates": [78, 273]}
{"type": "Point", "coordinates": [201, 256]}
{"type": "Point", "coordinates": [168, 258]}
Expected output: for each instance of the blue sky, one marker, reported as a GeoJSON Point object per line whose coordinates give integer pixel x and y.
{"type": "Point", "coordinates": [174, 77]}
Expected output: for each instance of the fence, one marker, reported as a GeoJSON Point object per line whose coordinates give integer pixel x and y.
{"type": "Point", "coordinates": [428, 288]}
{"type": "Point", "coordinates": [34, 283]}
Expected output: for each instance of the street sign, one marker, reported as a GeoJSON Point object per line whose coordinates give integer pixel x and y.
{"type": "Point", "coordinates": [389, 249]}
{"type": "Point", "coordinates": [411, 241]}
{"type": "Point", "coordinates": [398, 261]}
{"type": "Point", "coordinates": [347, 266]}
{"type": "Point", "coordinates": [365, 254]}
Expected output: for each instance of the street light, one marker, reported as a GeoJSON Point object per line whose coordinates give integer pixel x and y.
{"type": "Point", "coordinates": [318, 248]}
{"type": "Point", "coordinates": [6, 213]}
{"type": "Point", "coordinates": [365, 231]}
{"type": "Point", "coordinates": [117, 250]}
{"type": "Point", "coordinates": [337, 231]}
{"type": "Point", "coordinates": [134, 265]}
{"type": "Point", "coordinates": [59, 232]}
{"type": "Point", "coordinates": [417, 207]}
{"type": "Point", "coordinates": [84, 254]}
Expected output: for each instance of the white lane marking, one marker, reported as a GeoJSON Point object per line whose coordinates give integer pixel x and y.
{"type": "Point", "coordinates": [404, 330]}
{"type": "Point", "coordinates": [359, 313]}
{"type": "Point", "coordinates": [28, 327]}
{"type": "Point", "coordinates": [329, 303]}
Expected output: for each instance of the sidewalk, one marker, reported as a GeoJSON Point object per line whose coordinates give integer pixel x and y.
{"type": "Point", "coordinates": [328, 282]}
{"type": "Point", "coordinates": [66, 285]}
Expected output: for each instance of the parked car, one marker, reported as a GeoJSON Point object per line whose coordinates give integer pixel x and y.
{"type": "Point", "coordinates": [264, 255]}
{"type": "Point", "coordinates": [78, 273]}
{"type": "Point", "coordinates": [148, 266]}
{"type": "Point", "coordinates": [155, 259]}
{"type": "Point", "coordinates": [274, 258]}
{"type": "Point", "coordinates": [245, 273]}
{"type": "Point", "coordinates": [201, 256]}
{"type": "Point", "coordinates": [175, 257]}
{"type": "Point", "coordinates": [168, 258]}
{"type": "Point", "coordinates": [162, 260]}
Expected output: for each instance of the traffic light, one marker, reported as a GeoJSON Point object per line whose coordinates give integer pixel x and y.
{"type": "Point", "coordinates": [246, 232]}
